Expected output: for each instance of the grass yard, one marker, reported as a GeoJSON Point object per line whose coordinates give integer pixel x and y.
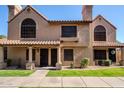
{"type": "Point", "coordinates": [5, 73]}
{"type": "Point", "coordinates": [110, 72]}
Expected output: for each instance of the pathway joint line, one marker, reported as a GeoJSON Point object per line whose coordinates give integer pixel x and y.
{"type": "Point", "coordinates": [62, 82]}
{"type": "Point", "coordinates": [120, 78]}
{"type": "Point", "coordinates": [83, 81]}
{"type": "Point", "coordinates": [105, 82]}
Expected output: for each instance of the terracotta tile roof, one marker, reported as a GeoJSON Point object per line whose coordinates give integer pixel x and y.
{"type": "Point", "coordinates": [109, 44]}
{"type": "Point", "coordinates": [68, 21]}
{"type": "Point", "coordinates": [18, 42]}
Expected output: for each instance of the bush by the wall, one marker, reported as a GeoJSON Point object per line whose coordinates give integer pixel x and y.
{"type": "Point", "coordinates": [72, 65]}
{"type": "Point", "coordinates": [9, 62]}
{"type": "Point", "coordinates": [101, 62]}
{"type": "Point", "coordinates": [84, 62]}
{"type": "Point", "coordinates": [107, 62]}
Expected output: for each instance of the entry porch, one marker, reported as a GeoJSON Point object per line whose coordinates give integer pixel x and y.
{"type": "Point", "coordinates": [31, 54]}
{"type": "Point", "coordinates": [113, 51]}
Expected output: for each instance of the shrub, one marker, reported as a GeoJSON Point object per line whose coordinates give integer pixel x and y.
{"type": "Point", "coordinates": [107, 62]}
{"type": "Point", "coordinates": [96, 62]}
{"type": "Point", "coordinates": [84, 62]}
{"type": "Point", "coordinates": [121, 62]}
{"type": "Point", "coordinates": [9, 62]}
{"type": "Point", "coordinates": [100, 62]}
{"type": "Point", "coordinates": [72, 65]}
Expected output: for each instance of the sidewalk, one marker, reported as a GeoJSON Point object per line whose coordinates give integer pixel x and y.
{"type": "Point", "coordinates": [38, 79]}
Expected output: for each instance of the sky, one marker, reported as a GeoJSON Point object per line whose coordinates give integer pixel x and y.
{"type": "Point", "coordinates": [114, 14]}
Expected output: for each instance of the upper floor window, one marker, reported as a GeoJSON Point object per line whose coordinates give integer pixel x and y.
{"type": "Point", "coordinates": [68, 31]}
{"type": "Point", "coordinates": [28, 28]}
{"type": "Point", "coordinates": [99, 33]}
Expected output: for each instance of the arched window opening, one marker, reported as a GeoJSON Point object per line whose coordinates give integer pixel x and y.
{"type": "Point", "coordinates": [28, 28]}
{"type": "Point", "coordinates": [99, 33]}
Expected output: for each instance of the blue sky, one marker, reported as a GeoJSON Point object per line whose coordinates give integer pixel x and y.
{"type": "Point", "coordinates": [114, 14]}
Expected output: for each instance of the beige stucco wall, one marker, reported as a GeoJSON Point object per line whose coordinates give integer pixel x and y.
{"type": "Point", "coordinates": [45, 30]}
{"type": "Point", "coordinates": [79, 53]}
{"type": "Point", "coordinates": [1, 54]}
{"type": "Point", "coordinates": [41, 28]}
{"type": "Point", "coordinates": [110, 31]}
{"type": "Point", "coordinates": [17, 54]}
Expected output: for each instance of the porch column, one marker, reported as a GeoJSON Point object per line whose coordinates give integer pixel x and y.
{"type": "Point", "coordinates": [1, 54]}
{"type": "Point", "coordinates": [49, 57]}
{"type": "Point", "coordinates": [2, 64]}
{"type": "Point", "coordinates": [59, 55]}
{"type": "Point", "coordinates": [30, 54]}
{"type": "Point", "coordinates": [122, 53]}
{"type": "Point", "coordinates": [107, 54]}
{"type": "Point", "coordinates": [59, 63]}
{"type": "Point", "coordinates": [30, 65]}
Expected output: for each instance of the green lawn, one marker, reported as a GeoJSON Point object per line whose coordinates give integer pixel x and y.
{"type": "Point", "coordinates": [15, 73]}
{"type": "Point", "coordinates": [110, 72]}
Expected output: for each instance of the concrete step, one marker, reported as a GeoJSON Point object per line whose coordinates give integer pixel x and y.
{"type": "Point", "coordinates": [45, 68]}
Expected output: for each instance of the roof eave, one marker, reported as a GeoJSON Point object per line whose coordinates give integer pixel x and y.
{"type": "Point", "coordinates": [68, 21]}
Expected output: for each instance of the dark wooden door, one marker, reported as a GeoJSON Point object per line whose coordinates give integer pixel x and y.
{"type": "Point", "coordinates": [53, 57]}
{"type": "Point", "coordinates": [112, 54]}
{"type": "Point", "coordinates": [43, 57]}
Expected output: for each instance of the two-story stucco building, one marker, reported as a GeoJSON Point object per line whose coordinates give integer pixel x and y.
{"type": "Point", "coordinates": [34, 40]}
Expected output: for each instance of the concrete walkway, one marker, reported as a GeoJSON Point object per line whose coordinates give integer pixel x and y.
{"type": "Point", "coordinates": [81, 82]}
{"type": "Point", "coordinates": [39, 73]}
{"type": "Point", "coordinates": [38, 79]}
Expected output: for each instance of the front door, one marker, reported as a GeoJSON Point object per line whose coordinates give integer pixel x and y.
{"type": "Point", "coordinates": [112, 54]}
{"type": "Point", "coordinates": [53, 57]}
{"type": "Point", "coordinates": [43, 57]}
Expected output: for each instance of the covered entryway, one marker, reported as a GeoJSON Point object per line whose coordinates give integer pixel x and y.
{"type": "Point", "coordinates": [53, 57]}
{"type": "Point", "coordinates": [43, 57]}
{"type": "Point", "coordinates": [46, 53]}
{"type": "Point", "coordinates": [48, 57]}
{"type": "Point", "coordinates": [112, 54]}
{"type": "Point", "coordinates": [105, 53]}
{"type": "Point", "coordinates": [111, 50]}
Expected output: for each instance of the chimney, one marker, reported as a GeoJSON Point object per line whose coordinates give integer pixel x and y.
{"type": "Point", "coordinates": [87, 12]}
{"type": "Point", "coordinates": [13, 10]}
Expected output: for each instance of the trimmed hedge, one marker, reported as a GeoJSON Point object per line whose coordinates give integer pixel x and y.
{"type": "Point", "coordinates": [104, 62]}
{"type": "Point", "coordinates": [107, 62]}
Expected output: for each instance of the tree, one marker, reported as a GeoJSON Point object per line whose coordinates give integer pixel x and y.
{"type": "Point", "coordinates": [2, 36]}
